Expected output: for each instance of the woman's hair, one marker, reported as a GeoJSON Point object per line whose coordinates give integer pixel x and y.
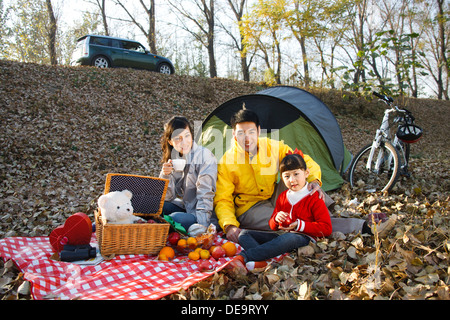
{"type": "Point", "coordinates": [292, 162]}
{"type": "Point", "coordinates": [175, 123]}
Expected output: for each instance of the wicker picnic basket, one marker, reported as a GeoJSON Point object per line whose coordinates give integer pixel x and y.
{"type": "Point", "coordinates": [147, 201]}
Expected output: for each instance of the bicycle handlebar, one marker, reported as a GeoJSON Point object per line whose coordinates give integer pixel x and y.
{"type": "Point", "coordinates": [389, 102]}
{"type": "Point", "coordinates": [378, 95]}
{"type": "Point", "coordinates": [383, 97]}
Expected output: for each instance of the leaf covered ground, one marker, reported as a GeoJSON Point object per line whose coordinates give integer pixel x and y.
{"type": "Point", "coordinates": [62, 129]}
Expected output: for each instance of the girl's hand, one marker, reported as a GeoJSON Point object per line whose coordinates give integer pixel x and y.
{"type": "Point", "coordinates": [291, 227]}
{"type": "Point", "coordinates": [167, 168]}
{"type": "Point", "coordinates": [281, 216]}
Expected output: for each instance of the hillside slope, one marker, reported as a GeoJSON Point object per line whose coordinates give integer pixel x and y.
{"type": "Point", "coordinates": [62, 129]}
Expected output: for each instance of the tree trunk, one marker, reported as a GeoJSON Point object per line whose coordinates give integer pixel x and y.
{"type": "Point", "coordinates": [210, 16]}
{"type": "Point", "coordinates": [359, 36]}
{"type": "Point", "coordinates": [305, 62]}
{"type": "Point", "coordinates": [151, 35]}
{"type": "Point", "coordinates": [103, 11]}
{"type": "Point", "coordinates": [238, 13]}
{"type": "Point", "coordinates": [51, 34]}
{"type": "Point", "coordinates": [443, 63]}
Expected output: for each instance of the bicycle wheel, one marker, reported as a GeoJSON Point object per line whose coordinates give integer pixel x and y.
{"type": "Point", "coordinates": [373, 179]}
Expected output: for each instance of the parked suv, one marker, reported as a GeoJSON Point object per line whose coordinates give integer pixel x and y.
{"type": "Point", "coordinates": [106, 52]}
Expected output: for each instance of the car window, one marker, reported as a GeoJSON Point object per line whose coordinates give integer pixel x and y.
{"type": "Point", "coordinates": [134, 46]}
{"type": "Point", "coordinates": [116, 43]}
{"type": "Point", "coordinates": [100, 41]}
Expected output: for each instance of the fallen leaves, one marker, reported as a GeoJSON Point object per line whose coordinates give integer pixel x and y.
{"type": "Point", "coordinates": [410, 262]}
{"type": "Point", "coordinates": [12, 284]}
{"type": "Point", "coordinates": [64, 128]}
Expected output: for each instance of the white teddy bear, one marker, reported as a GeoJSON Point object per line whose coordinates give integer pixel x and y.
{"type": "Point", "coordinates": [116, 208]}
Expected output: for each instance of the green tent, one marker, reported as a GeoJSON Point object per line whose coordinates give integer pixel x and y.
{"type": "Point", "coordinates": [290, 114]}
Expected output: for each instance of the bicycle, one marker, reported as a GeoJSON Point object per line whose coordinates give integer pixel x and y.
{"type": "Point", "coordinates": [377, 166]}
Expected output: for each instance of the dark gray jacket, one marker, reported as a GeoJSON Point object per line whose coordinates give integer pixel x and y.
{"type": "Point", "coordinates": [194, 187]}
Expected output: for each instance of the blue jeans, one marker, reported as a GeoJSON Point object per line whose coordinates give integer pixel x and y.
{"type": "Point", "coordinates": [179, 215]}
{"type": "Point", "coordinates": [263, 245]}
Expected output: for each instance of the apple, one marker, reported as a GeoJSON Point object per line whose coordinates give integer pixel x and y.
{"type": "Point", "coordinates": [205, 265]}
{"type": "Point", "coordinates": [287, 222]}
{"type": "Point", "coordinates": [217, 252]}
{"type": "Point", "coordinates": [173, 238]}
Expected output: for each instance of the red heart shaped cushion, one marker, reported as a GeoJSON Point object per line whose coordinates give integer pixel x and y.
{"type": "Point", "coordinates": [76, 230]}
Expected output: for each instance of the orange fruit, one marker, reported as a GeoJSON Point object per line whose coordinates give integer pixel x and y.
{"type": "Point", "coordinates": [230, 248]}
{"type": "Point", "coordinates": [182, 244]}
{"type": "Point", "coordinates": [198, 250]}
{"type": "Point", "coordinates": [193, 255]}
{"type": "Point", "coordinates": [166, 253]}
{"type": "Point", "coordinates": [204, 254]}
{"type": "Point", "coordinates": [162, 257]}
{"type": "Point", "coordinates": [192, 243]}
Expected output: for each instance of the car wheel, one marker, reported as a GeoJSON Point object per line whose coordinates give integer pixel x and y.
{"type": "Point", "coordinates": [164, 68]}
{"type": "Point", "coordinates": [100, 62]}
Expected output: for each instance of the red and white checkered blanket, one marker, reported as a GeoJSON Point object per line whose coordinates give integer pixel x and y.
{"type": "Point", "coordinates": [124, 277]}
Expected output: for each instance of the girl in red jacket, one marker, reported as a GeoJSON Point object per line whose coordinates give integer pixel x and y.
{"type": "Point", "coordinates": [299, 217]}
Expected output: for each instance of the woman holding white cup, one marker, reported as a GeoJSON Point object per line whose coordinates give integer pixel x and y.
{"type": "Point", "coordinates": [192, 173]}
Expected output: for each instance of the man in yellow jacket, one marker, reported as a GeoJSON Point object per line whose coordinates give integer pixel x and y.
{"type": "Point", "coordinates": [247, 188]}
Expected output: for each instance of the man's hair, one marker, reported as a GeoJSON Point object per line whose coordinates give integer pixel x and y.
{"type": "Point", "coordinates": [244, 115]}
{"type": "Point", "coordinates": [292, 162]}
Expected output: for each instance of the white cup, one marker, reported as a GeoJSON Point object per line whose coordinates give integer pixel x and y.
{"type": "Point", "coordinates": [178, 164]}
